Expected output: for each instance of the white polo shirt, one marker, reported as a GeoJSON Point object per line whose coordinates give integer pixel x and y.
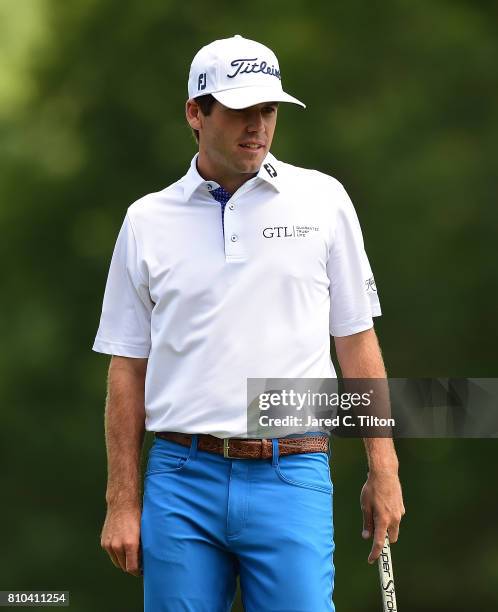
{"type": "Point", "coordinates": [211, 309]}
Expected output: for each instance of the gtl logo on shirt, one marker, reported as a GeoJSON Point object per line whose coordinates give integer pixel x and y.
{"type": "Point", "coordinates": [289, 231]}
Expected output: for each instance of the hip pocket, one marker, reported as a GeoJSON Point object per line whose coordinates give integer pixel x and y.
{"type": "Point", "coordinates": [166, 456]}
{"type": "Point", "coordinates": [306, 470]}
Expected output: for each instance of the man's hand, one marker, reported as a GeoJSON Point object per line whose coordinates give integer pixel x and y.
{"type": "Point", "coordinates": [121, 538]}
{"type": "Point", "coordinates": [381, 502]}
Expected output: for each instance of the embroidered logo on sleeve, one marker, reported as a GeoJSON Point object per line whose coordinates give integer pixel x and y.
{"type": "Point", "coordinates": [370, 285]}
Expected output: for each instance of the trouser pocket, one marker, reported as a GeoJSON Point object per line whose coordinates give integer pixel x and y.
{"type": "Point", "coordinates": [307, 470]}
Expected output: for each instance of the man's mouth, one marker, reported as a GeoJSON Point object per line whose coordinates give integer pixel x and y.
{"type": "Point", "coordinates": [251, 145]}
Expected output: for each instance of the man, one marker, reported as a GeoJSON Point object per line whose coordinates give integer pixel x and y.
{"type": "Point", "coordinates": [240, 269]}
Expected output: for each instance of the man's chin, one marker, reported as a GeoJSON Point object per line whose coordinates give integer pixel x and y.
{"type": "Point", "coordinates": [249, 163]}
{"type": "Point", "coordinates": [250, 167]}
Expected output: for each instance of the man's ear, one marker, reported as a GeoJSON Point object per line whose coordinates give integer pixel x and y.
{"type": "Point", "coordinates": [193, 114]}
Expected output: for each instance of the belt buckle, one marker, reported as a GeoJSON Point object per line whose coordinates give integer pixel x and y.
{"type": "Point", "coordinates": [226, 448]}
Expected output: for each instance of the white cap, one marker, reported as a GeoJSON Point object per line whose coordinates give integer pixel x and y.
{"type": "Point", "coordinates": [238, 72]}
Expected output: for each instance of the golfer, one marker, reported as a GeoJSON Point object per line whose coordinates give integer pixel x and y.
{"type": "Point", "coordinates": [242, 268]}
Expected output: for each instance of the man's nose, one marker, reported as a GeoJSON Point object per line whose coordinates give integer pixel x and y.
{"type": "Point", "coordinates": [255, 122]}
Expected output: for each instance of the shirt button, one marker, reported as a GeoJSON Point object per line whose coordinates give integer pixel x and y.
{"type": "Point", "coordinates": [231, 206]}
{"type": "Point", "coordinates": [233, 238]}
{"type": "Point", "coordinates": [209, 186]}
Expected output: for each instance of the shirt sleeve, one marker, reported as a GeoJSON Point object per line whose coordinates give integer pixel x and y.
{"type": "Point", "coordinates": [353, 293]}
{"type": "Point", "coordinates": [124, 327]}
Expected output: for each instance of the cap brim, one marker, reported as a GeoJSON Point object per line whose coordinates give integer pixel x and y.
{"type": "Point", "coordinates": [242, 97]}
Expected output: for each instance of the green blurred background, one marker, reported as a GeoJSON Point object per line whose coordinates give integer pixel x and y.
{"type": "Point", "coordinates": [402, 109]}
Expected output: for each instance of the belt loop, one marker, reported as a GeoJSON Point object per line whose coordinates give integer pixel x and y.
{"type": "Point", "coordinates": [192, 454]}
{"type": "Point", "coordinates": [274, 460]}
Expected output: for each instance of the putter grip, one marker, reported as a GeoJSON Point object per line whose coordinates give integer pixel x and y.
{"type": "Point", "coordinates": [387, 578]}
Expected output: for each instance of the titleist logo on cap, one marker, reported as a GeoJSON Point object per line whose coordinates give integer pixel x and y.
{"type": "Point", "coordinates": [244, 66]}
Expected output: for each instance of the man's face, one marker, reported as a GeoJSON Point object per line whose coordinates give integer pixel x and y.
{"type": "Point", "coordinates": [235, 142]}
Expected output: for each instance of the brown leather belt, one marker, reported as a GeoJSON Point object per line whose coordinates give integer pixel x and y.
{"type": "Point", "coordinates": [242, 448]}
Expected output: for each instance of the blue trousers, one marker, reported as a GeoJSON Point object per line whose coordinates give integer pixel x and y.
{"type": "Point", "coordinates": [207, 519]}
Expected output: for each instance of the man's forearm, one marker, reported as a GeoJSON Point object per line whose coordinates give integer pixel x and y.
{"type": "Point", "coordinates": [381, 499]}
{"type": "Point", "coordinates": [124, 431]}
{"type": "Point", "coordinates": [360, 356]}
{"type": "Point", "coordinates": [381, 455]}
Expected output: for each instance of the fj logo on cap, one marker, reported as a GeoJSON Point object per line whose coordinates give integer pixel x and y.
{"type": "Point", "coordinates": [247, 65]}
{"type": "Point", "coordinates": [201, 83]}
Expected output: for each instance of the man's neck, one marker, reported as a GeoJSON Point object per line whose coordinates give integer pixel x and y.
{"type": "Point", "coordinates": [229, 183]}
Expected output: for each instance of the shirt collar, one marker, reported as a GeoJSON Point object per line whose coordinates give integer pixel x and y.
{"type": "Point", "coordinates": [192, 181]}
